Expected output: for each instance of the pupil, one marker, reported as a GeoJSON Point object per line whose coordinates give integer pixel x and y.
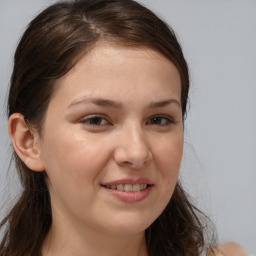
{"type": "Point", "coordinates": [156, 120]}
{"type": "Point", "coordinates": [95, 120]}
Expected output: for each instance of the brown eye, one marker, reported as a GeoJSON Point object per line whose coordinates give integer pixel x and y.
{"type": "Point", "coordinates": [94, 120]}
{"type": "Point", "coordinates": [160, 120]}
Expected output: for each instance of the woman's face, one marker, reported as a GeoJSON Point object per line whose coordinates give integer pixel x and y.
{"type": "Point", "coordinates": [112, 140]}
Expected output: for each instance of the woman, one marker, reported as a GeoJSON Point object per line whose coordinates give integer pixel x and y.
{"type": "Point", "coordinates": [96, 115]}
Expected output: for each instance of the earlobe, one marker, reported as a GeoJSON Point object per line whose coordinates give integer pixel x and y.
{"type": "Point", "coordinates": [25, 142]}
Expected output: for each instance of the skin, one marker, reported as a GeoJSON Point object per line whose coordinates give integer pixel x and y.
{"type": "Point", "coordinates": [230, 249]}
{"type": "Point", "coordinates": [86, 143]}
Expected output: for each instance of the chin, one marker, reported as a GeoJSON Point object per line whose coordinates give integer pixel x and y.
{"type": "Point", "coordinates": [130, 224]}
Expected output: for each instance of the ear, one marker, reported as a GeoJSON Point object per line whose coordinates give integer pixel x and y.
{"type": "Point", "coordinates": [25, 142]}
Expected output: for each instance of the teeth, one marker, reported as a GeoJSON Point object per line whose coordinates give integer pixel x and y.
{"type": "Point", "coordinates": [143, 186]}
{"type": "Point", "coordinates": [136, 188]}
{"type": "Point", "coordinates": [128, 187]}
{"type": "Point", "coordinates": [120, 187]}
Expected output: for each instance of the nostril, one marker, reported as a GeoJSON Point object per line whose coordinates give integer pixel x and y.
{"type": "Point", "coordinates": [132, 157]}
{"type": "Point", "coordinates": [135, 165]}
{"type": "Point", "coordinates": [127, 163]}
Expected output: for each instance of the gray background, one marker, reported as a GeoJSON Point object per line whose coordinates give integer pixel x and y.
{"type": "Point", "coordinates": [219, 165]}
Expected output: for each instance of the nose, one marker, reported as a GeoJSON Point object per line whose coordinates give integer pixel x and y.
{"type": "Point", "coordinates": [132, 149]}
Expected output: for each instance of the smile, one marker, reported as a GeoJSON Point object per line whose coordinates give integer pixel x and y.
{"type": "Point", "coordinates": [129, 190]}
{"type": "Point", "coordinates": [128, 187]}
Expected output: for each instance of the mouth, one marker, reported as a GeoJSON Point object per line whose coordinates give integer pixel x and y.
{"type": "Point", "coordinates": [129, 190]}
{"type": "Point", "coordinates": [128, 187]}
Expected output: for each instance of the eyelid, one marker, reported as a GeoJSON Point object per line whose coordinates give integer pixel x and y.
{"type": "Point", "coordinates": [169, 119]}
{"type": "Point", "coordinates": [85, 119]}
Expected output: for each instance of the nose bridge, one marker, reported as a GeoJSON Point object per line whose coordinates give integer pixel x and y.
{"type": "Point", "coordinates": [136, 139]}
{"type": "Point", "coordinates": [133, 147]}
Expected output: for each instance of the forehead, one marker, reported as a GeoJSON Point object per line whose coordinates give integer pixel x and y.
{"type": "Point", "coordinates": [116, 55]}
{"type": "Point", "coordinates": [113, 69]}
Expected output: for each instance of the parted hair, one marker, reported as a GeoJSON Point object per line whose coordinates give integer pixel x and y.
{"type": "Point", "coordinates": [51, 45]}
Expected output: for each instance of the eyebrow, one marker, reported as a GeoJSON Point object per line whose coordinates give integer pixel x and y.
{"type": "Point", "coordinates": [119, 105]}
{"type": "Point", "coordinates": [163, 103]}
{"type": "Point", "coordinates": [98, 101]}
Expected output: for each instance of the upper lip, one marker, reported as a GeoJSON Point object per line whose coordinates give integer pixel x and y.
{"type": "Point", "coordinates": [129, 181]}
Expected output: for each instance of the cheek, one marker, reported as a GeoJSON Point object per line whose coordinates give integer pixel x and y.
{"type": "Point", "coordinates": [169, 152]}
{"type": "Point", "coordinates": [75, 160]}
{"type": "Point", "coordinates": [168, 161]}
{"type": "Point", "coordinates": [71, 149]}
{"type": "Point", "coordinates": [73, 164]}
{"type": "Point", "coordinates": [168, 155]}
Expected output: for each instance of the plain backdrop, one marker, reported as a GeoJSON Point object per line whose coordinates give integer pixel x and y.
{"type": "Point", "coordinates": [219, 42]}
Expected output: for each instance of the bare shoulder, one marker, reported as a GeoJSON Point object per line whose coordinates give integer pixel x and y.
{"type": "Point", "coordinates": [230, 249]}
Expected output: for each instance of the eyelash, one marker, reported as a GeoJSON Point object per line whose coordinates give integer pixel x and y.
{"type": "Point", "coordinates": [88, 119]}
{"type": "Point", "coordinates": [168, 120]}
{"type": "Point", "coordinates": [93, 120]}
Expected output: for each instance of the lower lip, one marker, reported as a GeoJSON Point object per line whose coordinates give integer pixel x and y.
{"type": "Point", "coordinates": [130, 197]}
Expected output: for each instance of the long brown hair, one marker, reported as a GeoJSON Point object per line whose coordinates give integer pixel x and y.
{"type": "Point", "coordinates": [49, 48]}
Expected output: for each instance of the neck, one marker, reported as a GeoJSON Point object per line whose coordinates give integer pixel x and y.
{"type": "Point", "coordinates": [67, 240]}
